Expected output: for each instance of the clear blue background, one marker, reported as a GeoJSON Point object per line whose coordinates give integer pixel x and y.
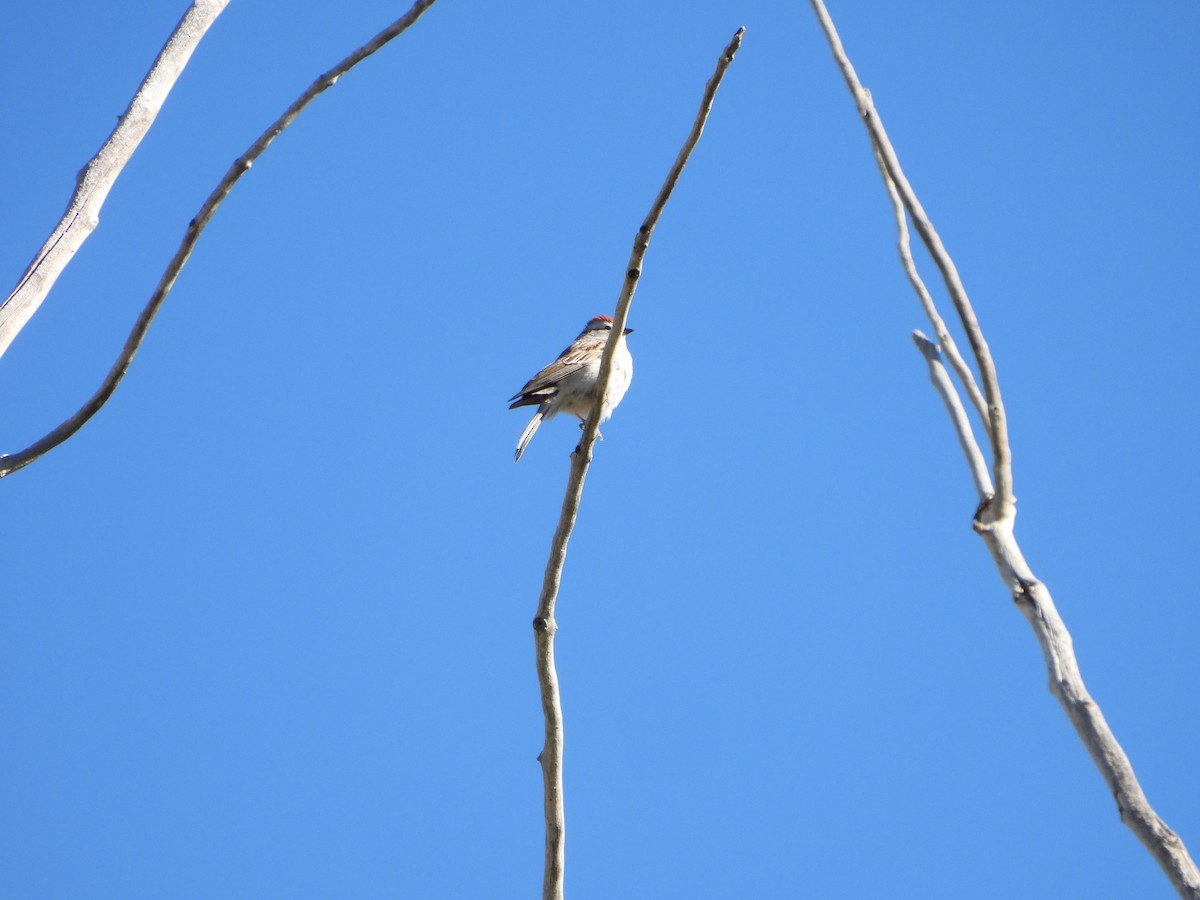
{"type": "Point", "coordinates": [265, 620]}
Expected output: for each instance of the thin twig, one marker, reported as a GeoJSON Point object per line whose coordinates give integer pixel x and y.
{"type": "Point", "coordinates": [15, 461]}
{"type": "Point", "coordinates": [941, 334]}
{"type": "Point", "coordinates": [96, 179]}
{"type": "Point", "coordinates": [544, 625]}
{"type": "Point", "coordinates": [958, 415]}
{"type": "Point", "coordinates": [1003, 503]}
{"type": "Point", "coordinates": [994, 522]}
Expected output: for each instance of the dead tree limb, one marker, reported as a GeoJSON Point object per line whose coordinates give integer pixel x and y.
{"type": "Point", "coordinates": [10, 463]}
{"type": "Point", "coordinates": [96, 179]}
{"type": "Point", "coordinates": [996, 513]}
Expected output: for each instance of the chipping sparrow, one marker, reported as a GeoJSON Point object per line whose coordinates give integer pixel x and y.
{"type": "Point", "coordinates": [569, 383]}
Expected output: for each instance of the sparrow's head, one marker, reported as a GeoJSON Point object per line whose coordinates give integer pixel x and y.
{"type": "Point", "coordinates": [602, 323]}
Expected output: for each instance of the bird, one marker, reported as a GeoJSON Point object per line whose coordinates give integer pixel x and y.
{"type": "Point", "coordinates": [569, 383]}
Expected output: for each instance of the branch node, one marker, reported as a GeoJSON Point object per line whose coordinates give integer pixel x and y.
{"type": "Point", "coordinates": [1022, 597]}
{"type": "Point", "coordinates": [633, 274]}
{"type": "Point", "coordinates": [1122, 810]}
{"type": "Point", "coordinates": [983, 519]}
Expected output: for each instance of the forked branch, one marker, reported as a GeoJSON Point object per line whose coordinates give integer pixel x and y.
{"type": "Point", "coordinates": [15, 461]}
{"type": "Point", "coordinates": [940, 379]}
{"type": "Point", "coordinates": [946, 341]}
{"type": "Point", "coordinates": [996, 513]}
{"type": "Point", "coordinates": [1002, 504]}
{"type": "Point", "coordinates": [544, 626]}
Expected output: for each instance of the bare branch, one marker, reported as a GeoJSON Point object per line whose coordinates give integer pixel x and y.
{"type": "Point", "coordinates": [958, 416]}
{"type": "Point", "coordinates": [96, 179]}
{"type": "Point", "coordinates": [15, 461]}
{"type": "Point", "coordinates": [941, 333]}
{"type": "Point", "coordinates": [1066, 683]}
{"type": "Point", "coordinates": [544, 625]}
{"type": "Point", "coordinates": [994, 523]}
{"type": "Point", "coordinates": [1003, 503]}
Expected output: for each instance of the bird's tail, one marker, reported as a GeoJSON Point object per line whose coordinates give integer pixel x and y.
{"type": "Point", "coordinates": [528, 433]}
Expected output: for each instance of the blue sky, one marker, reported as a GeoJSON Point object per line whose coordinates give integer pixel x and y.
{"type": "Point", "coordinates": [265, 627]}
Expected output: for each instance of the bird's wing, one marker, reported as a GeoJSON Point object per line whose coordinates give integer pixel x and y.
{"type": "Point", "coordinates": [568, 363]}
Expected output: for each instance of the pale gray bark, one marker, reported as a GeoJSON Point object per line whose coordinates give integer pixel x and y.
{"type": "Point", "coordinates": [96, 179]}
{"type": "Point", "coordinates": [544, 626]}
{"type": "Point", "coordinates": [10, 463]}
{"type": "Point", "coordinates": [996, 513]}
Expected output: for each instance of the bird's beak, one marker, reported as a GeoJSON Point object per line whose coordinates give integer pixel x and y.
{"type": "Point", "coordinates": [628, 331]}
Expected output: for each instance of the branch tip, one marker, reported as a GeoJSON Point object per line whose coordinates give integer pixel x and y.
{"type": "Point", "coordinates": [929, 348]}
{"type": "Point", "coordinates": [735, 44]}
